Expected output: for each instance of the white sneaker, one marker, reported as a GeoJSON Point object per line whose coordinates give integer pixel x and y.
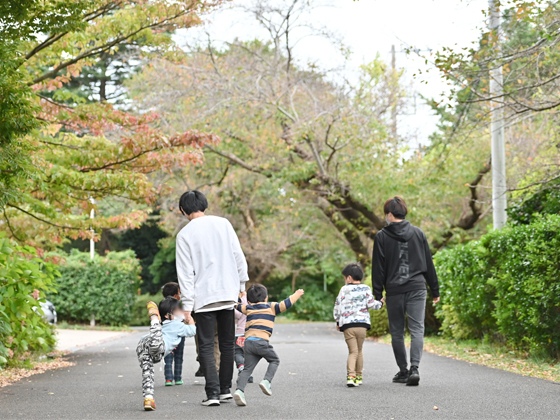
{"type": "Point", "coordinates": [226, 397]}
{"type": "Point", "coordinates": [239, 397]}
{"type": "Point", "coordinates": [211, 402]}
{"type": "Point", "coordinates": [266, 388]}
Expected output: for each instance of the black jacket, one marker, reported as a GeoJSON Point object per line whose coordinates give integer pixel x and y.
{"type": "Point", "coordinates": [402, 261]}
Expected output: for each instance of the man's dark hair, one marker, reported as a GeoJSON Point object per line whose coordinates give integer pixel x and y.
{"type": "Point", "coordinates": [170, 289]}
{"type": "Point", "coordinates": [167, 306]}
{"type": "Point", "coordinates": [192, 201]}
{"type": "Point", "coordinates": [257, 293]}
{"type": "Point", "coordinates": [396, 206]}
{"type": "Point", "coordinates": [354, 270]}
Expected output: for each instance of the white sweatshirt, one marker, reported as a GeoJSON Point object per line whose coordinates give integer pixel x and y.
{"type": "Point", "coordinates": [211, 266]}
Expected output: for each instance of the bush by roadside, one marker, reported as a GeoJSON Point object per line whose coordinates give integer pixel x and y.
{"type": "Point", "coordinates": [505, 287]}
{"type": "Point", "coordinates": [105, 287]}
{"type": "Point", "coordinates": [139, 312]}
{"type": "Point", "coordinates": [24, 279]}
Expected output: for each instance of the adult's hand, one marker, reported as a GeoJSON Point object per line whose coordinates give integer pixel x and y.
{"type": "Point", "coordinates": [436, 300]}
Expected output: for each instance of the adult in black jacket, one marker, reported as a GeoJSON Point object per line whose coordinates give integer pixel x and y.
{"type": "Point", "coordinates": [402, 265]}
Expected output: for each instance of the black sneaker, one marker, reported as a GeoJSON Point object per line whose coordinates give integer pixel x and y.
{"type": "Point", "coordinates": [250, 380]}
{"type": "Point", "coordinates": [401, 377]}
{"type": "Point", "coordinates": [414, 377]}
{"type": "Point", "coordinates": [199, 373]}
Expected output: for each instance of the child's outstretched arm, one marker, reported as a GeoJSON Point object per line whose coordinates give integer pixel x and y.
{"type": "Point", "coordinates": [287, 303]}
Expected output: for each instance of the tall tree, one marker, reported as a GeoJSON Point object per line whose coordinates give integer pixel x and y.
{"type": "Point", "coordinates": [60, 151]}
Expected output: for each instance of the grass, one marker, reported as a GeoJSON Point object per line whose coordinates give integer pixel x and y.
{"type": "Point", "coordinates": [491, 355]}
{"type": "Point", "coordinates": [66, 326]}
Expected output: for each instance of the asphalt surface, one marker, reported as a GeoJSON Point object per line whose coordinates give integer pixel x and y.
{"type": "Point", "coordinates": [310, 384]}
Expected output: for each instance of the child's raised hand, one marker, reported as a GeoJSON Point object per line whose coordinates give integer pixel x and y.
{"type": "Point", "coordinates": [299, 292]}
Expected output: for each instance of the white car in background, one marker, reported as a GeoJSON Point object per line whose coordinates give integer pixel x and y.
{"type": "Point", "coordinates": [49, 312]}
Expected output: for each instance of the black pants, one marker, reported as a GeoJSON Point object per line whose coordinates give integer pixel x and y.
{"type": "Point", "coordinates": [399, 307]}
{"type": "Point", "coordinates": [205, 326]}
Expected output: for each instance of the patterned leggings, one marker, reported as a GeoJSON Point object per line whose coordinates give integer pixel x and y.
{"type": "Point", "coordinates": [150, 350]}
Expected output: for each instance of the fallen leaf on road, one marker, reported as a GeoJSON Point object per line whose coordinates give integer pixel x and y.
{"type": "Point", "coordinates": [131, 392]}
{"type": "Point", "coordinates": [11, 375]}
{"type": "Point", "coordinates": [120, 376]}
{"type": "Point", "coordinates": [51, 393]}
{"type": "Point", "coordinates": [291, 373]}
{"type": "Point", "coordinates": [435, 408]}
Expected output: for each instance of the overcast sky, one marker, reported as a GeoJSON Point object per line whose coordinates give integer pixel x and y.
{"type": "Point", "coordinates": [369, 27]}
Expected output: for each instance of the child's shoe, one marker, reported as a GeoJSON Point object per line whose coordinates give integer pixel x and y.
{"type": "Point", "coordinates": [178, 382]}
{"type": "Point", "coordinates": [168, 383]}
{"type": "Point", "coordinates": [149, 404]}
{"type": "Point", "coordinates": [359, 380]}
{"type": "Point", "coordinates": [239, 397]}
{"type": "Point", "coordinates": [153, 310]}
{"type": "Point", "coordinates": [265, 387]}
{"type": "Point", "coordinates": [351, 382]}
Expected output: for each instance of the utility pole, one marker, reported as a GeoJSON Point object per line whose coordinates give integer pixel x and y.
{"type": "Point", "coordinates": [394, 94]}
{"type": "Point", "coordinates": [499, 186]}
{"type": "Point", "coordinates": [91, 241]}
{"type": "Point", "coordinates": [92, 249]}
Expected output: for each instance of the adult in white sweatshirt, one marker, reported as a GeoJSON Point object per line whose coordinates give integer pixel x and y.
{"type": "Point", "coordinates": [212, 271]}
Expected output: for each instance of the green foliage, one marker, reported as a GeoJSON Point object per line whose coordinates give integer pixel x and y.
{"type": "Point", "coordinates": [23, 277]}
{"type": "Point", "coordinates": [139, 313]}
{"type": "Point", "coordinates": [163, 268]}
{"type": "Point", "coordinates": [379, 323]}
{"type": "Point", "coordinates": [506, 286]}
{"type": "Point", "coordinates": [144, 242]}
{"type": "Point", "coordinates": [546, 201]}
{"type": "Point", "coordinates": [314, 305]}
{"type": "Point", "coordinates": [105, 287]}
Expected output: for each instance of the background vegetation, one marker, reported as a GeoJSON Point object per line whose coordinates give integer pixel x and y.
{"type": "Point", "coordinates": [103, 110]}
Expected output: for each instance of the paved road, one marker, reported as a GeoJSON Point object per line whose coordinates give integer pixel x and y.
{"type": "Point", "coordinates": [310, 384]}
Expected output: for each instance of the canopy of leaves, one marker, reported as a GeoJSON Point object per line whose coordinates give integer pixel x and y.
{"type": "Point", "coordinates": [60, 150]}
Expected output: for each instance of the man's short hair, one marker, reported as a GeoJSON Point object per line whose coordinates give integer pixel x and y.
{"type": "Point", "coordinates": [170, 289]}
{"type": "Point", "coordinates": [167, 306]}
{"type": "Point", "coordinates": [354, 270]}
{"type": "Point", "coordinates": [192, 201]}
{"type": "Point", "coordinates": [257, 293]}
{"type": "Point", "coordinates": [396, 206]}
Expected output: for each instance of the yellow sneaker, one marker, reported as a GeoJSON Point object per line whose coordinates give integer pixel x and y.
{"type": "Point", "coordinates": [149, 404]}
{"type": "Point", "coordinates": [153, 310]}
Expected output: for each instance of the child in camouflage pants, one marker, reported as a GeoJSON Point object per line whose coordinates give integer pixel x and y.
{"type": "Point", "coordinates": [161, 340]}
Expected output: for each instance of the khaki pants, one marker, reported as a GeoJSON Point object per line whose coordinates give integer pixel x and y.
{"type": "Point", "coordinates": [355, 340]}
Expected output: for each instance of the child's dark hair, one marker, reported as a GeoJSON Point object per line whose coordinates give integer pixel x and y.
{"type": "Point", "coordinates": [354, 270]}
{"type": "Point", "coordinates": [170, 289]}
{"type": "Point", "coordinates": [167, 306]}
{"type": "Point", "coordinates": [257, 293]}
{"type": "Point", "coordinates": [192, 201]}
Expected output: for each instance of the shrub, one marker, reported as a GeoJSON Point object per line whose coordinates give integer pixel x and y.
{"type": "Point", "coordinates": [379, 323]}
{"type": "Point", "coordinates": [315, 304]}
{"type": "Point", "coordinates": [506, 286]}
{"type": "Point", "coordinates": [139, 312]}
{"type": "Point", "coordinates": [24, 279]}
{"type": "Point", "coordinates": [104, 287]}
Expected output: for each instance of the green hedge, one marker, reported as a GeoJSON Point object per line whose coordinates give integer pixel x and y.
{"type": "Point", "coordinates": [105, 287]}
{"type": "Point", "coordinates": [506, 287]}
{"type": "Point", "coordinates": [139, 312]}
{"type": "Point", "coordinates": [23, 331]}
